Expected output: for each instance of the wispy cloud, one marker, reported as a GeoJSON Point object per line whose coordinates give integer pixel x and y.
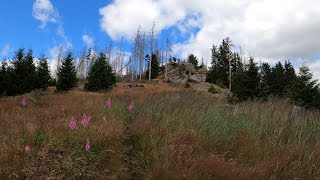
{"type": "Point", "coordinates": [87, 39]}
{"type": "Point", "coordinates": [44, 11]}
{"type": "Point", "coordinates": [5, 50]}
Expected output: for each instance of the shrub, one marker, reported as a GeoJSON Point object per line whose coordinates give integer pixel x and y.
{"type": "Point", "coordinates": [212, 90]}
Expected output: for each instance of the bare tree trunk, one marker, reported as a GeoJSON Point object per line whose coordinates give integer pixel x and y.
{"type": "Point", "coordinates": [59, 60]}
{"type": "Point", "coordinates": [151, 46]}
{"type": "Point", "coordinates": [168, 51]}
{"type": "Point", "coordinates": [142, 43]}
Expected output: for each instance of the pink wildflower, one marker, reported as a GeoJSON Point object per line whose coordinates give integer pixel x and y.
{"type": "Point", "coordinates": [131, 106]}
{"type": "Point", "coordinates": [85, 120]}
{"type": "Point", "coordinates": [73, 123]}
{"type": "Point", "coordinates": [27, 149]}
{"type": "Point", "coordinates": [88, 145]}
{"type": "Point", "coordinates": [109, 103]}
{"type": "Point", "coordinates": [24, 102]}
{"type": "Point", "coordinates": [62, 108]}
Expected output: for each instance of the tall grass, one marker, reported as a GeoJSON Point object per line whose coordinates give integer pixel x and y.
{"type": "Point", "coordinates": [170, 133]}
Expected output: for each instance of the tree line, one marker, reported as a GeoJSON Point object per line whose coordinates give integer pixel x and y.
{"type": "Point", "coordinates": [250, 81]}
{"type": "Point", "coordinates": [23, 74]}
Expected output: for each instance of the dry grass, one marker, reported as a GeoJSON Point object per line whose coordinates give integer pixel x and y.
{"type": "Point", "coordinates": [172, 133]}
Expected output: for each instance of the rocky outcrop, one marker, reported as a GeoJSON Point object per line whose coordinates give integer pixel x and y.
{"type": "Point", "coordinates": [197, 78]}
{"type": "Point", "coordinates": [178, 79]}
{"type": "Point", "coordinates": [185, 72]}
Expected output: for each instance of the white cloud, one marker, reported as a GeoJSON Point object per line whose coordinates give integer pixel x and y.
{"type": "Point", "coordinates": [5, 50]}
{"type": "Point", "coordinates": [270, 30]}
{"type": "Point", "coordinates": [315, 69]}
{"type": "Point", "coordinates": [87, 39]}
{"type": "Point", "coordinates": [44, 11]}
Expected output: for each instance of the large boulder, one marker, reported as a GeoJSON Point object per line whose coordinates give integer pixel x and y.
{"type": "Point", "coordinates": [197, 78]}
{"type": "Point", "coordinates": [178, 79]}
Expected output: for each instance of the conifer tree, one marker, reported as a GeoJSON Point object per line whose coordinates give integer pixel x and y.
{"type": "Point", "coordinates": [221, 57]}
{"type": "Point", "coordinates": [265, 81]}
{"type": "Point", "coordinates": [245, 83]}
{"type": "Point", "coordinates": [305, 91]}
{"type": "Point", "coordinates": [277, 80]}
{"type": "Point", "coordinates": [100, 76]}
{"type": "Point", "coordinates": [43, 74]}
{"type": "Point", "coordinates": [24, 71]}
{"type": "Point", "coordinates": [154, 66]}
{"type": "Point", "coordinates": [3, 72]}
{"type": "Point", "coordinates": [8, 83]}
{"type": "Point", "coordinates": [193, 60]}
{"type": "Point", "coordinates": [67, 75]}
{"type": "Point", "coordinates": [253, 78]}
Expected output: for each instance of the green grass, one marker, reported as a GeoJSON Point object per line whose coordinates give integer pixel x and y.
{"type": "Point", "coordinates": [168, 135]}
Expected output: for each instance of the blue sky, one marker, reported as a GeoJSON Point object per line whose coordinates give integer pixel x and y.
{"type": "Point", "coordinates": [76, 18]}
{"type": "Point", "coordinates": [289, 32]}
{"type": "Point", "coordinates": [21, 29]}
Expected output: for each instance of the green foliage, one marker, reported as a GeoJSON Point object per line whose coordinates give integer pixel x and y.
{"type": "Point", "coordinates": [25, 71]}
{"type": "Point", "coordinates": [220, 61]}
{"type": "Point", "coordinates": [193, 60]}
{"type": "Point", "coordinates": [212, 90]}
{"type": "Point", "coordinates": [101, 76]}
{"type": "Point", "coordinates": [43, 74]}
{"type": "Point", "coordinates": [305, 91]}
{"type": "Point", "coordinates": [154, 66]}
{"type": "Point", "coordinates": [67, 76]}
{"type": "Point", "coordinates": [21, 77]}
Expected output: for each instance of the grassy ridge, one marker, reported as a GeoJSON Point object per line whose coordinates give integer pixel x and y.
{"type": "Point", "coordinates": [170, 134]}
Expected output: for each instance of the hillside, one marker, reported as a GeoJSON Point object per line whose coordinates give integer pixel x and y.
{"type": "Point", "coordinates": [159, 131]}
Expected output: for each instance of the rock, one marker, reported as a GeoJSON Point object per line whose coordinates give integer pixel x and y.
{"type": "Point", "coordinates": [189, 67]}
{"type": "Point", "coordinates": [197, 78]}
{"type": "Point", "coordinates": [178, 79]}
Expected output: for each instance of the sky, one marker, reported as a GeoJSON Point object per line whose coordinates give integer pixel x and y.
{"type": "Point", "coordinates": [269, 30]}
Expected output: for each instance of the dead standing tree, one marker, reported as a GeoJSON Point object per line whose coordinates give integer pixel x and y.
{"type": "Point", "coordinates": [152, 38]}
{"type": "Point", "coordinates": [168, 52]}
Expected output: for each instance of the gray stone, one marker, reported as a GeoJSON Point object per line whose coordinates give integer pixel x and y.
{"type": "Point", "coordinates": [197, 78]}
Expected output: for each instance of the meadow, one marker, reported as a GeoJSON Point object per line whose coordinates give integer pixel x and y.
{"type": "Point", "coordinates": [156, 132]}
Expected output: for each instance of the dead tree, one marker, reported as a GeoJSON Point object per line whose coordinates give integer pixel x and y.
{"type": "Point", "coordinates": [152, 35]}
{"type": "Point", "coordinates": [168, 52]}
{"type": "Point", "coordinates": [59, 61]}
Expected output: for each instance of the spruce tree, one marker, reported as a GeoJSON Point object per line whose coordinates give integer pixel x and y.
{"type": "Point", "coordinates": [239, 82]}
{"type": "Point", "coordinates": [289, 77]}
{"type": "Point", "coordinates": [305, 91]}
{"type": "Point", "coordinates": [245, 83]}
{"type": "Point", "coordinates": [277, 79]}
{"type": "Point", "coordinates": [192, 59]}
{"type": "Point", "coordinates": [219, 72]}
{"type": "Point", "coordinates": [265, 81]}
{"type": "Point", "coordinates": [100, 76]}
{"type": "Point", "coordinates": [253, 78]}
{"type": "Point", "coordinates": [67, 75]}
{"type": "Point", "coordinates": [3, 72]}
{"type": "Point", "coordinates": [43, 74]}
{"type": "Point", "coordinates": [154, 66]}
{"type": "Point", "coordinates": [24, 71]}
{"type": "Point", "coordinates": [8, 84]}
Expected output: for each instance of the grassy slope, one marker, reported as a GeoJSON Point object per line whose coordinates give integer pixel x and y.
{"type": "Point", "coordinates": [172, 133]}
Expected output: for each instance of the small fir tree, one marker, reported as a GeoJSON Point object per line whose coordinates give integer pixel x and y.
{"type": "Point", "coordinates": [43, 74]}
{"type": "Point", "coordinates": [67, 75]}
{"type": "Point", "coordinates": [100, 76]}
